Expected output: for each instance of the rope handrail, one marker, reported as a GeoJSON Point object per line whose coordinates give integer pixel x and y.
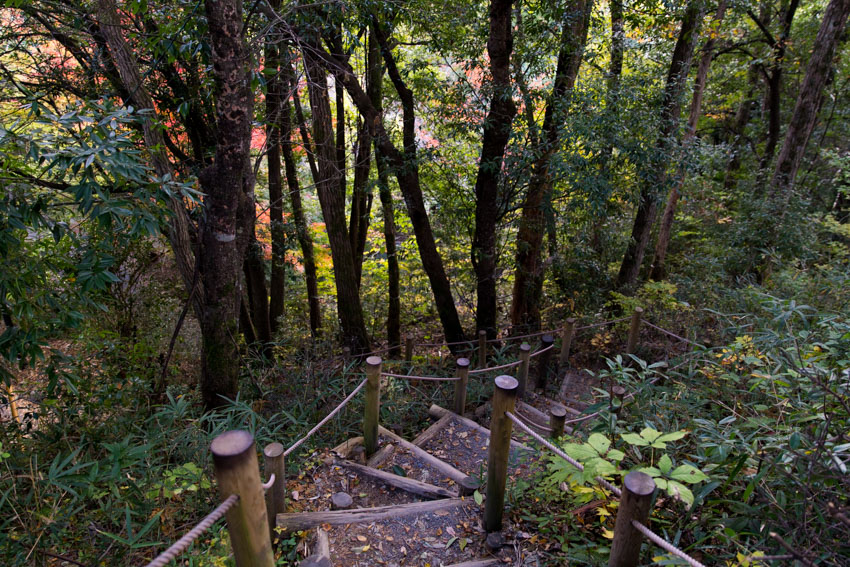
{"type": "Point", "coordinates": [527, 336]}
{"type": "Point", "coordinates": [602, 324]}
{"type": "Point", "coordinates": [672, 334]}
{"type": "Point", "coordinates": [501, 367]}
{"type": "Point", "coordinates": [604, 483]}
{"type": "Point", "coordinates": [455, 343]}
{"type": "Point", "coordinates": [327, 418]}
{"type": "Point", "coordinates": [664, 544]}
{"type": "Point", "coordinates": [541, 351]}
{"type": "Point", "coordinates": [269, 483]}
{"type": "Point", "coordinates": [184, 542]}
{"type": "Point", "coordinates": [431, 378]}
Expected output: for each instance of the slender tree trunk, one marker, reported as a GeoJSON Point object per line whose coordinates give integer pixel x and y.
{"type": "Point", "coordinates": [226, 184]}
{"type": "Point", "coordinates": [258, 297]}
{"type": "Point", "coordinates": [671, 108]}
{"type": "Point", "coordinates": [303, 130]}
{"type": "Point", "coordinates": [274, 93]}
{"type": "Point", "coordinates": [305, 240]}
{"type": "Point", "coordinates": [808, 102]}
{"type": "Point", "coordinates": [528, 276]}
{"type": "Point", "coordinates": [657, 272]}
{"type": "Point", "coordinates": [497, 130]}
{"type": "Point", "coordinates": [332, 202]}
{"type": "Point", "coordinates": [742, 118]}
{"type": "Point", "coordinates": [361, 198]}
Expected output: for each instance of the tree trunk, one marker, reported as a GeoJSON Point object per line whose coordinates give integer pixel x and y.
{"type": "Point", "coordinates": [258, 296]}
{"type": "Point", "coordinates": [808, 102]}
{"type": "Point", "coordinates": [677, 77]}
{"type": "Point", "coordinates": [497, 130]}
{"type": "Point", "coordinates": [742, 118]}
{"type": "Point", "coordinates": [528, 276]}
{"type": "Point", "coordinates": [332, 202]}
{"type": "Point", "coordinates": [657, 271]}
{"type": "Point", "coordinates": [225, 184]}
{"type": "Point", "coordinates": [274, 93]}
{"type": "Point", "coordinates": [305, 241]}
{"type": "Point", "coordinates": [361, 198]}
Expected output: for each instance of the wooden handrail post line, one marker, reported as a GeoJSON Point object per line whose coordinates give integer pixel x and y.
{"type": "Point", "coordinates": [276, 495]}
{"type": "Point", "coordinates": [543, 361]}
{"type": "Point", "coordinates": [408, 348]}
{"type": "Point", "coordinates": [567, 341]}
{"type": "Point", "coordinates": [482, 349]}
{"type": "Point", "coordinates": [462, 373]}
{"type": "Point", "coordinates": [635, 502]}
{"type": "Point", "coordinates": [373, 404]}
{"type": "Point", "coordinates": [237, 471]}
{"type": "Point", "coordinates": [557, 417]}
{"type": "Point", "coordinates": [634, 330]}
{"type": "Point", "coordinates": [504, 400]}
{"type": "Point", "coordinates": [525, 362]}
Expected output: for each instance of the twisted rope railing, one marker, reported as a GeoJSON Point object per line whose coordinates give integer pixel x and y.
{"type": "Point", "coordinates": [184, 542]}
{"type": "Point", "coordinates": [602, 324]}
{"type": "Point", "coordinates": [664, 544]}
{"type": "Point", "coordinates": [491, 368]}
{"type": "Point", "coordinates": [327, 418]}
{"type": "Point", "coordinates": [672, 334]}
{"type": "Point", "coordinates": [526, 336]}
{"type": "Point", "coordinates": [431, 378]}
{"type": "Point", "coordinates": [604, 483]}
{"type": "Point", "coordinates": [541, 351]}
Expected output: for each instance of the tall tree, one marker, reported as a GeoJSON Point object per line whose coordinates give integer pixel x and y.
{"type": "Point", "coordinates": [657, 270]}
{"type": "Point", "coordinates": [349, 308]}
{"type": "Point", "coordinates": [656, 177]}
{"type": "Point", "coordinates": [808, 102]}
{"type": "Point", "coordinates": [497, 130]}
{"type": "Point", "coordinates": [528, 276]}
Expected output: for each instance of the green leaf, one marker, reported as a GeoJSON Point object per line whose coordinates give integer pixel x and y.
{"type": "Point", "coordinates": [581, 453]}
{"type": "Point", "coordinates": [599, 442]}
{"type": "Point", "coordinates": [665, 464]}
{"type": "Point", "coordinates": [683, 492]}
{"type": "Point", "coordinates": [675, 436]}
{"type": "Point", "coordinates": [399, 471]}
{"type": "Point", "coordinates": [634, 439]}
{"type": "Point", "coordinates": [616, 455]}
{"type": "Point", "coordinates": [689, 474]}
{"type": "Point", "coordinates": [479, 499]}
{"type": "Point", "coordinates": [651, 471]}
{"type": "Point", "coordinates": [650, 434]}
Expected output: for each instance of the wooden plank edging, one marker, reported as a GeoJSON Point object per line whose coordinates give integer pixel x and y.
{"type": "Point", "coordinates": [306, 520]}
{"type": "Point", "coordinates": [407, 484]}
{"type": "Point", "coordinates": [438, 411]}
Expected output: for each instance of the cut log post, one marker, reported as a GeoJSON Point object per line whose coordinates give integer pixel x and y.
{"type": "Point", "coordinates": [557, 417]}
{"type": "Point", "coordinates": [634, 331]}
{"type": "Point", "coordinates": [373, 404]}
{"type": "Point", "coordinates": [525, 362]}
{"type": "Point", "coordinates": [504, 400]}
{"type": "Point", "coordinates": [346, 354]}
{"type": "Point", "coordinates": [462, 373]}
{"type": "Point", "coordinates": [634, 505]}
{"type": "Point", "coordinates": [321, 553]}
{"type": "Point", "coordinates": [482, 349]}
{"type": "Point", "coordinates": [237, 471]}
{"type": "Point", "coordinates": [567, 341]}
{"type": "Point", "coordinates": [408, 348]}
{"type": "Point", "coordinates": [543, 361]}
{"type": "Point", "coordinates": [276, 495]}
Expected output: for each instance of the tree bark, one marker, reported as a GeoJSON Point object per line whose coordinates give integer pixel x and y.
{"type": "Point", "coordinates": [227, 184]}
{"type": "Point", "coordinates": [671, 108]}
{"type": "Point", "coordinates": [361, 197]}
{"type": "Point", "coordinates": [305, 240]}
{"type": "Point", "coordinates": [258, 295]}
{"type": "Point", "coordinates": [657, 271]}
{"type": "Point", "coordinates": [275, 85]}
{"type": "Point", "coordinates": [808, 102]}
{"type": "Point", "coordinates": [497, 130]}
{"type": "Point", "coordinates": [528, 276]}
{"type": "Point", "coordinates": [349, 309]}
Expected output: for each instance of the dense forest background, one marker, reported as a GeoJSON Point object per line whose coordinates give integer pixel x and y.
{"type": "Point", "coordinates": [204, 201]}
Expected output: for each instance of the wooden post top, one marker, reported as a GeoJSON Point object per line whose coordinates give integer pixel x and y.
{"type": "Point", "coordinates": [506, 383]}
{"type": "Point", "coordinates": [639, 483]}
{"type": "Point", "coordinates": [571, 320]}
{"type": "Point", "coordinates": [374, 361]}
{"type": "Point", "coordinates": [525, 347]}
{"type": "Point", "coordinates": [547, 339]}
{"type": "Point", "coordinates": [638, 309]}
{"type": "Point", "coordinates": [462, 362]}
{"type": "Point", "coordinates": [482, 332]}
{"type": "Point", "coordinates": [273, 450]}
{"type": "Point", "coordinates": [230, 448]}
{"type": "Point", "coordinates": [558, 411]}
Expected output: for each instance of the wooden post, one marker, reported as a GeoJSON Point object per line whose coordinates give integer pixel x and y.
{"type": "Point", "coordinates": [462, 372]}
{"type": "Point", "coordinates": [543, 361]}
{"type": "Point", "coordinates": [567, 341]}
{"type": "Point", "coordinates": [373, 404]}
{"type": "Point", "coordinates": [408, 348]}
{"type": "Point", "coordinates": [237, 471]}
{"type": "Point", "coordinates": [634, 330]}
{"type": "Point", "coordinates": [634, 505]}
{"type": "Point", "coordinates": [504, 400]}
{"type": "Point", "coordinates": [525, 360]}
{"type": "Point", "coordinates": [557, 417]}
{"type": "Point", "coordinates": [482, 349]}
{"type": "Point", "coordinates": [276, 495]}
{"type": "Point", "coordinates": [346, 354]}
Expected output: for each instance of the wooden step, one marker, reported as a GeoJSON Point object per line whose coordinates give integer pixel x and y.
{"type": "Point", "coordinates": [440, 412]}
{"type": "Point", "coordinates": [413, 486]}
{"type": "Point", "coordinates": [307, 520]}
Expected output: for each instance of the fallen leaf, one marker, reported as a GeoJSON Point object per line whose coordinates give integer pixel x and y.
{"type": "Point", "coordinates": [362, 538]}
